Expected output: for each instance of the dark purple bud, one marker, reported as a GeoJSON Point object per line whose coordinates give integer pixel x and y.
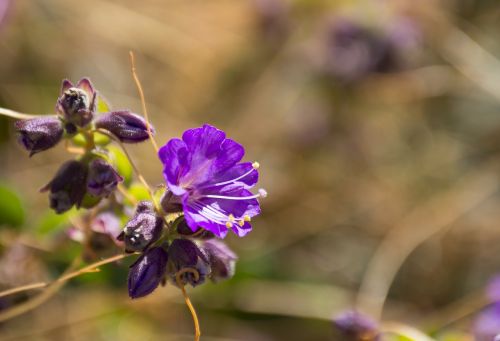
{"type": "Point", "coordinates": [143, 229]}
{"type": "Point", "coordinates": [39, 134]}
{"type": "Point", "coordinates": [77, 104]}
{"type": "Point", "coordinates": [185, 254]}
{"type": "Point", "coordinates": [147, 272]}
{"type": "Point", "coordinates": [184, 230]}
{"type": "Point", "coordinates": [102, 179]}
{"type": "Point", "coordinates": [126, 126]}
{"type": "Point", "coordinates": [354, 326]}
{"type": "Point", "coordinates": [170, 203]}
{"type": "Point", "coordinates": [222, 259]}
{"type": "Point", "coordinates": [68, 187]}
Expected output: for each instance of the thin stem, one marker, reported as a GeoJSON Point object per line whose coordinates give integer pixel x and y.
{"type": "Point", "coordinates": [126, 194]}
{"type": "Point", "coordinates": [19, 115]}
{"type": "Point", "coordinates": [136, 170]}
{"type": "Point", "coordinates": [197, 332]}
{"type": "Point", "coordinates": [53, 287]}
{"type": "Point", "coordinates": [143, 101]}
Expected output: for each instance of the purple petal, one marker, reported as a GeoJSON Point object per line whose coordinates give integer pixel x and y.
{"type": "Point", "coordinates": [66, 84]}
{"type": "Point", "coordinates": [237, 171]}
{"type": "Point", "coordinates": [174, 156]}
{"type": "Point", "coordinates": [242, 231]}
{"type": "Point", "coordinates": [86, 85]}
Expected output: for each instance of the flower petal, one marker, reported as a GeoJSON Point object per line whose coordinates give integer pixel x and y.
{"type": "Point", "coordinates": [237, 171]}
{"type": "Point", "coordinates": [174, 156]}
{"type": "Point", "coordinates": [86, 85]}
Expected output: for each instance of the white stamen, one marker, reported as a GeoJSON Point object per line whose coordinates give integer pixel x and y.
{"type": "Point", "coordinates": [255, 166]}
{"type": "Point", "coordinates": [262, 193]}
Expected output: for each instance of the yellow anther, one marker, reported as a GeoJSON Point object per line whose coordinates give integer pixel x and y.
{"type": "Point", "coordinates": [247, 218]}
{"type": "Point", "coordinates": [229, 224]}
{"type": "Point", "coordinates": [231, 218]}
{"type": "Point", "coordinates": [255, 165]}
{"type": "Point", "coordinates": [241, 223]}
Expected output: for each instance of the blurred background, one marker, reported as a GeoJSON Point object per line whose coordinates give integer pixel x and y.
{"type": "Point", "coordinates": [376, 124]}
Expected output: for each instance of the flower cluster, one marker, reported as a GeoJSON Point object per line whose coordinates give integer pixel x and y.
{"type": "Point", "coordinates": [207, 192]}
{"type": "Point", "coordinates": [91, 177]}
{"type": "Point", "coordinates": [209, 186]}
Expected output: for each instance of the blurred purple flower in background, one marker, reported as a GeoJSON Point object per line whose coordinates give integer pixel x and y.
{"type": "Point", "coordinates": [354, 326]}
{"type": "Point", "coordinates": [486, 326]}
{"type": "Point", "coordinates": [204, 172]}
{"type": "Point", "coordinates": [353, 51]}
{"type": "Point", "coordinates": [4, 10]}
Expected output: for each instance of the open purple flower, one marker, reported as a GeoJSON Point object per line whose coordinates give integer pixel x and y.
{"type": "Point", "coordinates": [203, 171]}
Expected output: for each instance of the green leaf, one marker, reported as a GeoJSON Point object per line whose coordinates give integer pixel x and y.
{"type": "Point", "coordinates": [79, 140]}
{"type": "Point", "coordinates": [102, 105]}
{"type": "Point", "coordinates": [12, 212]}
{"type": "Point", "coordinates": [101, 139]}
{"type": "Point", "coordinates": [139, 192]}
{"type": "Point", "coordinates": [122, 164]}
{"type": "Point", "coordinates": [51, 222]}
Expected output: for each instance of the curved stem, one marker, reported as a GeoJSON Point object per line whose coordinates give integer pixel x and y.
{"type": "Point", "coordinates": [143, 101]}
{"type": "Point", "coordinates": [53, 287]}
{"type": "Point", "coordinates": [19, 115]}
{"type": "Point", "coordinates": [197, 332]}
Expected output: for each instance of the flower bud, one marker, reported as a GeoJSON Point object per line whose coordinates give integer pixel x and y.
{"type": "Point", "coordinates": [143, 229]}
{"type": "Point", "coordinates": [184, 230]}
{"type": "Point", "coordinates": [77, 104]}
{"type": "Point", "coordinates": [354, 326]}
{"type": "Point", "coordinates": [102, 179]}
{"type": "Point", "coordinates": [126, 126]}
{"type": "Point", "coordinates": [170, 203]}
{"type": "Point", "coordinates": [222, 259]}
{"type": "Point", "coordinates": [147, 272]}
{"type": "Point", "coordinates": [186, 254]}
{"type": "Point", "coordinates": [39, 134]}
{"type": "Point", "coordinates": [68, 186]}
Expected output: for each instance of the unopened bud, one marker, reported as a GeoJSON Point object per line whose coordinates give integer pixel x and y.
{"type": "Point", "coordinates": [147, 272]}
{"type": "Point", "coordinates": [143, 229]}
{"type": "Point", "coordinates": [102, 179]}
{"type": "Point", "coordinates": [68, 186]}
{"type": "Point", "coordinates": [222, 259]}
{"type": "Point", "coordinates": [185, 254]}
{"type": "Point", "coordinates": [77, 104]}
{"type": "Point", "coordinates": [126, 126]}
{"type": "Point", "coordinates": [39, 134]}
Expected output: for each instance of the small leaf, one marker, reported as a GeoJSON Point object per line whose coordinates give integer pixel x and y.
{"type": "Point", "coordinates": [51, 222]}
{"type": "Point", "coordinates": [102, 105]}
{"type": "Point", "coordinates": [101, 139]}
{"type": "Point", "coordinates": [12, 212]}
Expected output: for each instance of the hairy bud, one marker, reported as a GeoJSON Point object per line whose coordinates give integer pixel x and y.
{"type": "Point", "coordinates": [126, 126]}
{"type": "Point", "coordinates": [186, 254]}
{"type": "Point", "coordinates": [102, 179]}
{"type": "Point", "coordinates": [77, 104]}
{"type": "Point", "coordinates": [68, 187]}
{"type": "Point", "coordinates": [147, 272]}
{"type": "Point", "coordinates": [39, 134]}
{"type": "Point", "coordinates": [222, 259]}
{"type": "Point", "coordinates": [143, 229]}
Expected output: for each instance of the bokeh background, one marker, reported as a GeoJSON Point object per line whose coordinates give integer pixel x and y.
{"type": "Point", "coordinates": [376, 124]}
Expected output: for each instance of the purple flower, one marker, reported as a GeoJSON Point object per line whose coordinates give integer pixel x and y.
{"type": "Point", "coordinates": [147, 272]}
{"type": "Point", "coordinates": [126, 126]}
{"type": "Point", "coordinates": [68, 186]}
{"type": "Point", "coordinates": [77, 104]}
{"type": "Point", "coordinates": [186, 254]}
{"type": "Point", "coordinates": [39, 134]}
{"type": "Point", "coordinates": [102, 179]}
{"type": "Point", "coordinates": [143, 229]}
{"type": "Point", "coordinates": [204, 173]}
{"type": "Point", "coordinates": [354, 326]}
{"type": "Point", "coordinates": [222, 259]}
{"type": "Point", "coordinates": [486, 326]}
